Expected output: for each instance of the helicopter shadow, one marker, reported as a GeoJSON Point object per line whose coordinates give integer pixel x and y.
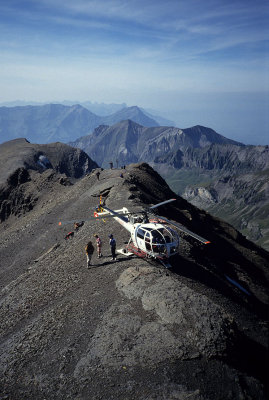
{"type": "Point", "coordinates": [109, 262]}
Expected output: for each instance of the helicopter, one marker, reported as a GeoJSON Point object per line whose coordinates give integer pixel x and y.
{"type": "Point", "coordinates": [151, 236]}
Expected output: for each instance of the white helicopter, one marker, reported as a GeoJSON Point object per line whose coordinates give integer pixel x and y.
{"type": "Point", "coordinates": [150, 237]}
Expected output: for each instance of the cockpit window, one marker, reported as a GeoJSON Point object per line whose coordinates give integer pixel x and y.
{"type": "Point", "coordinates": [162, 241]}
{"type": "Point", "coordinates": [140, 233]}
{"type": "Point", "coordinates": [157, 237]}
{"type": "Point", "coordinates": [147, 237]}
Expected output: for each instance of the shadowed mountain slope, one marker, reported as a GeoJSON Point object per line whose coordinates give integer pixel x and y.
{"type": "Point", "coordinates": [18, 157]}
{"type": "Point", "coordinates": [222, 157]}
{"type": "Point", "coordinates": [127, 329]}
{"type": "Point", "coordinates": [58, 156]}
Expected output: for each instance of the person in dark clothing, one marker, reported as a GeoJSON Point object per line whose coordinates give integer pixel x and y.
{"type": "Point", "coordinates": [89, 249]}
{"type": "Point", "coordinates": [98, 175]}
{"type": "Point", "coordinates": [112, 243]}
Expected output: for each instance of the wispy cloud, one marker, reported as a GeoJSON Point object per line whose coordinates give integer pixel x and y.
{"type": "Point", "coordinates": [172, 26]}
{"type": "Point", "coordinates": [154, 44]}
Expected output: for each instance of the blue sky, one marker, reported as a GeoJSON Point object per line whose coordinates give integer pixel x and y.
{"type": "Point", "coordinates": [194, 61]}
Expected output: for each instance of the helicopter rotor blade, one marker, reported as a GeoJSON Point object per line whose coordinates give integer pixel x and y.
{"type": "Point", "coordinates": [187, 231]}
{"type": "Point", "coordinates": [99, 216]}
{"type": "Point", "coordinates": [161, 204]}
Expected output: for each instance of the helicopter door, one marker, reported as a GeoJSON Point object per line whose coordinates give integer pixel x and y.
{"type": "Point", "coordinates": [158, 242]}
{"type": "Point", "coordinates": [140, 238]}
{"type": "Point", "coordinates": [147, 241]}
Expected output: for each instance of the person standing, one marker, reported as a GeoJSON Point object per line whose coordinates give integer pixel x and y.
{"type": "Point", "coordinates": [99, 246]}
{"type": "Point", "coordinates": [112, 243]}
{"type": "Point", "coordinates": [89, 249]}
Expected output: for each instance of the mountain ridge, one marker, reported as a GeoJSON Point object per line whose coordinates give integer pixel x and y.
{"type": "Point", "coordinates": [149, 141]}
{"type": "Point", "coordinates": [127, 329]}
{"type": "Point", "coordinates": [100, 109]}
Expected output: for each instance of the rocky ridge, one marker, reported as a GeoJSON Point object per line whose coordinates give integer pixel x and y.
{"type": "Point", "coordinates": [21, 162]}
{"type": "Point", "coordinates": [128, 329]}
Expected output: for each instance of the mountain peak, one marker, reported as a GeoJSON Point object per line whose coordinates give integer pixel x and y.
{"type": "Point", "coordinates": [206, 136]}
{"type": "Point", "coordinates": [135, 108]}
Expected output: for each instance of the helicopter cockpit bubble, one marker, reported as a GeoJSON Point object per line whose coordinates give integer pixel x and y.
{"type": "Point", "coordinates": [157, 239]}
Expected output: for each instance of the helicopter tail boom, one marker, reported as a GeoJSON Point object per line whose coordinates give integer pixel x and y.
{"type": "Point", "coordinates": [111, 212]}
{"type": "Point", "coordinates": [118, 217]}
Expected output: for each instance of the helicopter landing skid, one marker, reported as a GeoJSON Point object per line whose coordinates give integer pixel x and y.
{"type": "Point", "coordinates": [131, 249]}
{"type": "Point", "coordinates": [136, 251]}
{"type": "Point", "coordinates": [166, 264]}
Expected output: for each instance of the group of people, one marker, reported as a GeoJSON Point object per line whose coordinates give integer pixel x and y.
{"type": "Point", "coordinates": [89, 249]}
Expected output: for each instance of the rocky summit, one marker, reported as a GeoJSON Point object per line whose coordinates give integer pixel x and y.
{"type": "Point", "coordinates": [127, 329]}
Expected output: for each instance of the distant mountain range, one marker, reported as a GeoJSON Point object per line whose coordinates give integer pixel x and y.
{"type": "Point", "coordinates": [96, 108]}
{"type": "Point", "coordinates": [225, 177]}
{"type": "Point", "coordinates": [128, 142]}
{"type": "Point", "coordinates": [58, 122]}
